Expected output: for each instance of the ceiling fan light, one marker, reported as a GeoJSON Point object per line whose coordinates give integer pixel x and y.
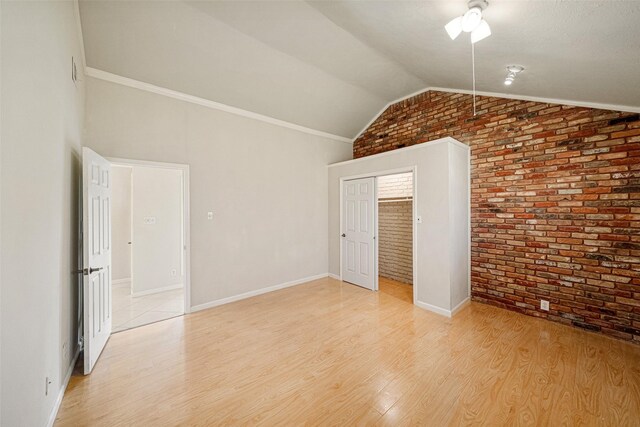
{"type": "Point", "coordinates": [482, 31]}
{"type": "Point", "coordinates": [508, 82]}
{"type": "Point", "coordinates": [471, 19]}
{"type": "Point", "coordinates": [454, 28]}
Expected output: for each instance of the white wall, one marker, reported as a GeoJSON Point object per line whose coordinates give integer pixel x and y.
{"type": "Point", "coordinates": [42, 116]}
{"type": "Point", "coordinates": [434, 203]}
{"type": "Point", "coordinates": [121, 222]}
{"type": "Point", "coordinates": [460, 199]}
{"type": "Point", "coordinates": [157, 247]}
{"type": "Point", "coordinates": [267, 185]}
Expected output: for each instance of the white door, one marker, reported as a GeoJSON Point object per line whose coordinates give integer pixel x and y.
{"type": "Point", "coordinates": [358, 244]}
{"type": "Point", "coordinates": [96, 254]}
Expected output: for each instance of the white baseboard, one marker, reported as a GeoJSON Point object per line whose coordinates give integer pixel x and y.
{"type": "Point", "coordinates": [460, 306]}
{"type": "Point", "coordinates": [250, 294]}
{"type": "Point", "coordinates": [334, 276]}
{"type": "Point", "coordinates": [442, 311]}
{"type": "Point", "coordinates": [433, 308]}
{"type": "Point", "coordinates": [121, 281]}
{"type": "Point", "coordinates": [65, 382]}
{"type": "Point", "coordinates": [157, 290]}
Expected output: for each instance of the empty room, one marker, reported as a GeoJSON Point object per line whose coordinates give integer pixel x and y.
{"type": "Point", "coordinates": [346, 212]}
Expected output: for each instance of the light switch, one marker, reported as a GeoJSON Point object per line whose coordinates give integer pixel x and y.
{"type": "Point", "coordinates": [209, 215]}
{"type": "Point", "coordinates": [419, 219]}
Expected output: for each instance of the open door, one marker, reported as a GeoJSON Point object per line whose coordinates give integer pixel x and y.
{"type": "Point", "coordinates": [96, 254]}
{"type": "Point", "coordinates": [358, 233]}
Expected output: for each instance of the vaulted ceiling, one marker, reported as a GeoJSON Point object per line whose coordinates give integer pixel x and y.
{"type": "Point", "coordinates": [332, 65]}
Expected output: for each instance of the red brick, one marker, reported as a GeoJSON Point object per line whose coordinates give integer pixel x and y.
{"type": "Point", "coordinates": [552, 194]}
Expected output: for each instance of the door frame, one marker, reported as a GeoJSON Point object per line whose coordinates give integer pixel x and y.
{"type": "Point", "coordinates": [408, 169]}
{"type": "Point", "coordinates": [184, 168]}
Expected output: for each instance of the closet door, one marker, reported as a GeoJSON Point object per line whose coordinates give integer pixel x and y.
{"type": "Point", "coordinates": [358, 245]}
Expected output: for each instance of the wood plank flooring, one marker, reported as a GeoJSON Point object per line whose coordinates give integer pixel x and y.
{"type": "Point", "coordinates": [330, 353]}
{"type": "Point", "coordinates": [397, 289]}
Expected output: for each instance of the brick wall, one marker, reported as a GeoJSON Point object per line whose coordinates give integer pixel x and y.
{"type": "Point", "coordinates": [555, 199]}
{"type": "Point", "coordinates": [395, 227]}
{"type": "Point", "coordinates": [395, 186]}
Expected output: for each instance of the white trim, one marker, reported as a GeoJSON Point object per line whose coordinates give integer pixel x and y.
{"type": "Point", "coordinates": [334, 276]}
{"type": "Point", "coordinates": [446, 139]}
{"type": "Point", "coordinates": [433, 308]}
{"type": "Point", "coordinates": [414, 215]}
{"type": "Point", "coordinates": [125, 81]}
{"type": "Point", "coordinates": [65, 382]}
{"type": "Point", "coordinates": [376, 236]}
{"type": "Point", "coordinates": [460, 306]}
{"type": "Point", "coordinates": [120, 281]}
{"type": "Point", "coordinates": [186, 226]}
{"type": "Point", "coordinates": [596, 105]}
{"type": "Point", "coordinates": [157, 290]}
{"type": "Point", "coordinates": [389, 104]}
{"type": "Point", "coordinates": [571, 103]}
{"type": "Point", "coordinates": [257, 292]}
{"type": "Point", "coordinates": [76, 13]}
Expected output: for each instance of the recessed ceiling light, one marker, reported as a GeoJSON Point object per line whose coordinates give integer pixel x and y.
{"type": "Point", "coordinates": [512, 72]}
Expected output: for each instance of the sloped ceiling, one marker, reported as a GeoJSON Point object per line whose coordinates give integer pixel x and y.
{"type": "Point", "coordinates": [332, 65]}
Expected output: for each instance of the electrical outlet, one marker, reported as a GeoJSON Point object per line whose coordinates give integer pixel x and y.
{"type": "Point", "coordinates": [209, 215]}
{"type": "Point", "coordinates": [173, 273]}
{"type": "Point", "coordinates": [65, 351]}
{"type": "Point", "coordinates": [544, 305]}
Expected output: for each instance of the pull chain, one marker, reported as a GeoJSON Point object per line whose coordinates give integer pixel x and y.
{"type": "Point", "coordinates": [473, 71]}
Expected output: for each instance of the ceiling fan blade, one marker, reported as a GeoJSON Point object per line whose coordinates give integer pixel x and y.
{"type": "Point", "coordinates": [482, 31]}
{"type": "Point", "coordinates": [454, 27]}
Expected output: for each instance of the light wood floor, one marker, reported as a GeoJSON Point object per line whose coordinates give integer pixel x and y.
{"type": "Point", "coordinates": [396, 289]}
{"type": "Point", "coordinates": [329, 353]}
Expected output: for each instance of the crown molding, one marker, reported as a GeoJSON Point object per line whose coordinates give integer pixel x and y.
{"type": "Point", "coordinates": [136, 84]}
{"type": "Point", "coordinates": [595, 105]}
{"type": "Point", "coordinates": [76, 13]}
{"type": "Point", "coordinates": [389, 104]}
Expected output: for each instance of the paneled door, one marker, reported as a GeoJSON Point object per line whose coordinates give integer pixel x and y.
{"type": "Point", "coordinates": [96, 255]}
{"type": "Point", "coordinates": [358, 232]}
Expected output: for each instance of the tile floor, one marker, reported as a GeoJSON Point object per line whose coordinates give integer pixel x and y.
{"type": "Point", "coordinates": [131, 312]}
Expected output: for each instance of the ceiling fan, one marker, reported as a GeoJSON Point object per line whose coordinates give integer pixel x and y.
{"type": "Point", "coordinates": [471, 22]}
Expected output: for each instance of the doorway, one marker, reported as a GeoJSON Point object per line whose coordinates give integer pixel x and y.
{"type": "Point", "coordinates": [395, 235]}
{"type": "Point", "coordinates": [149, 279]}
{"type": "Point", "coordinates": [378, 230]}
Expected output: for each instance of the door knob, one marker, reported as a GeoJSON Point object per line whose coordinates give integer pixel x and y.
{"type": "Point", "coordinates": [93, 270]}
{"type": "Point", "coordinates": [88, 271]}
{"type": "Point", "coordinates": [344, 235]}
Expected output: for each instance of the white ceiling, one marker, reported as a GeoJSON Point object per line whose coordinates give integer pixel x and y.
{"type": "Point", "coordinates": [332, 65]}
